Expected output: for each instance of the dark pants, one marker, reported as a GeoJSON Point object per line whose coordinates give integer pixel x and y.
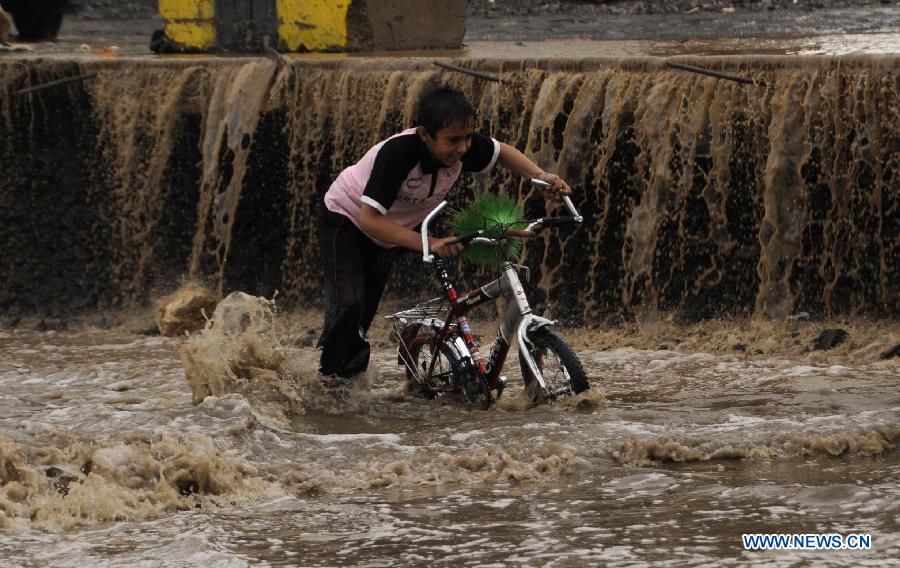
{"type": "Point", "coordinates": [356, 270]}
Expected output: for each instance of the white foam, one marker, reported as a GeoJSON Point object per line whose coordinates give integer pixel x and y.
{"type": "Point", "coordinates": [333, 438]}
{"type": "Point", "coordinates": [540, 425]}
{"type": "Point", "coordinates": [463, 436]}
{"type": "Point", "coordinates": [800, 370]}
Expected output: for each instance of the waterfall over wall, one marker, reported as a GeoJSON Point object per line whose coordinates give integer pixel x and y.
{"type": "Point", "coordinates": [701, 197]}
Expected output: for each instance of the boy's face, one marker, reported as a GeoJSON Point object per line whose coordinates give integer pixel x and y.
{"type": "Point", "coordinates": [450, 142]}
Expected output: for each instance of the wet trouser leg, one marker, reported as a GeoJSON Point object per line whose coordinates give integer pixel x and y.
{"type": "Point", "coordinates": [356, 270]}
{"type": "Point", "coordinates": [377, 268]}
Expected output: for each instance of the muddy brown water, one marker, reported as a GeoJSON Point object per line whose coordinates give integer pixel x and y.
{"type": "Point", "coordinates": [672, 455]}
{"type": "Point", "coordinates": [701, 196]}
{"type": "Point", "coordinates": [688, 438]}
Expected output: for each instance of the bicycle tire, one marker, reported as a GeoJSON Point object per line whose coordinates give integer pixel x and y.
{"type": "Point", "coordinates": [475, 390]}
{"type": "Point", "coordinates": [420, 351]}
{"type": "Point", "coordinates": [35, 21]}
{"type": "Point", "coordinates": [546, 342]}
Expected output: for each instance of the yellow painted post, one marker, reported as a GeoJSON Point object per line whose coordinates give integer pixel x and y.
{"type": "Point", "coordinates": [313, 25]}
{"type": "Point", "coordinates": [190, 22]}
{"type": "Point", "coordinates": [243, 26]}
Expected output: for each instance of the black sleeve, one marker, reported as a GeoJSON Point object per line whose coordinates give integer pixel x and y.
{"type": "Point", "coordinates": [480, 154]}
{"type": "Point", "coordinates": [392, 164]}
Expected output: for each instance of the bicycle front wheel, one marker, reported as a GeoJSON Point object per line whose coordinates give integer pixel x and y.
{"type": "Point", "coordinates": [558, 363]}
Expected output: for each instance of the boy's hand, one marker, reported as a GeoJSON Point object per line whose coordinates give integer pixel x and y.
{"type": "Point", "coordinates": [558, 186]}
{"type": "Point", "coordinates": [443, 250]}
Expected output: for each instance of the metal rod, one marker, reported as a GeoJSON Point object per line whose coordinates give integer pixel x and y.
{"type": "Point", "coordinates": [279, 59]}
{"type": "Point", "coordinates": [56, 83]}
{"type": "Point", "coordinates": [520, 234]}
{"type": "Point", "coordinates": [716, 74]}
{"type": "Point", "coordinates": [477, 74]}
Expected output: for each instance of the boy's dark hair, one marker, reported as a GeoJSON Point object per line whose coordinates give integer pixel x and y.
{"type": "Point", "coordinates": [441, 106]}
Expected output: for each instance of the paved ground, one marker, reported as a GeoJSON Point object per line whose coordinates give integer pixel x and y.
{"type": "Point", "coordinates": [520, 20]}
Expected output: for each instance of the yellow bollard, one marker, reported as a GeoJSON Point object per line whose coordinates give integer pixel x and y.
{"type": "Point", "coordinates": [314, 25]}
{"type": "Point", "coordinates": [190, 22]}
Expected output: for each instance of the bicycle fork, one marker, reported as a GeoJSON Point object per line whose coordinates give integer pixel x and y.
{"type": "Point", "coordinates": [518, 321]}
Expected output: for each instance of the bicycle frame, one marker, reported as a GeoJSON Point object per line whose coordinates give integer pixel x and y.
{"type": "Point", "coordinates": [518, 318]}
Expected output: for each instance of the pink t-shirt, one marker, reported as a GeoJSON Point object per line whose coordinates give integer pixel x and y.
{"type": "Point", "coordinates": [399, 178]}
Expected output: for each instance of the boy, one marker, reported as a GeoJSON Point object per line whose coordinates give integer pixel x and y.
{"type": "Point", "coordinates": [373, 206]}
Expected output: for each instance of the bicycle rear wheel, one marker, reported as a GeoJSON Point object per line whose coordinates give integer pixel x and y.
{"type": "Point", "coordinates": [559, 365]}
{"type": "Point", "coordinates": [477, 391]}
{"type": "Point", "coordinates": [421, 353]}
{"type": "Point", "coordinates": [452, 371]}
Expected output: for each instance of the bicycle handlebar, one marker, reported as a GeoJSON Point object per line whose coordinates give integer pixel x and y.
{"type": "Point", "coordinates": [546, 185]}
{"type": "Point", "coordinates": [426, 251]}
{"type": "Point", "coordinates": [477, 236]}
{"type": "Point", "coordinates": [465, 240]}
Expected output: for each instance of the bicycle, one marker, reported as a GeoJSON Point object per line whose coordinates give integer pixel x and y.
{"type": "Point", "coordinates": [437, 346]}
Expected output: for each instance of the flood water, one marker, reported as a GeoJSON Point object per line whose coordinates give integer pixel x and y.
{"type": "Point", "coordinates": [119, 449]}
{"type": "Point", "coordinates": [673, 455]}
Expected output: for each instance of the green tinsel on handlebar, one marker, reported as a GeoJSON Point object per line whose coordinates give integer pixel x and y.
{"type": "Point", "coordinates": [493, 214]}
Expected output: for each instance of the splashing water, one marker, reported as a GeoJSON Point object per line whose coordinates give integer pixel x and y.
{"type": "Point", "coordinates": [672, 453]}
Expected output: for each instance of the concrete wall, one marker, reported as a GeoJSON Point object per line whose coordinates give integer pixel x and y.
{"type": "Point", "coordinates": [701, 198]}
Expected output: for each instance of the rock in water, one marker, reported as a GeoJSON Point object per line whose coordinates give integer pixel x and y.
{"type": "Point", "coordinates": [829, 339]}
{"type": "Point", "coordinates": [892, 352]}
{"type": "Point", "coordinates": [184, 311]}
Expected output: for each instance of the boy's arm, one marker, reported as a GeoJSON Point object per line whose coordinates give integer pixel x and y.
{"type": "Point", "coordinates": [516, 161]}
{"type": "Point", "coordinates": [376, 225]}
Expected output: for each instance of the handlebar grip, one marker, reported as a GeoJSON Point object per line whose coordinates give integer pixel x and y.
{"type": "Point", "coordinates": [558, 221]}
{"type": "Point", "coordinates": [466, 239]}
